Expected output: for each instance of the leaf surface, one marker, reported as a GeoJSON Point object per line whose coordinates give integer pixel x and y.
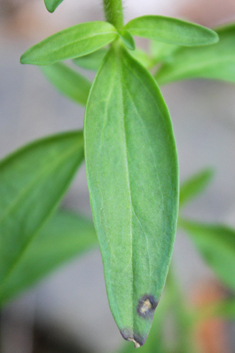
{"type": "Point", "coordinates": [216, 244]}
{"type": "Point", "coordinates": [171, 30]}
{"type": "Point", "coordinates": [91, 61]}
{"type": "Point", "coordinates": [51, 5]}
{"type": "Point", "coordinates": [32, 182]}
{"type": "Point", "coordinates": [64, 236]}
{"type": "Point", "coordinates": [132, 172]}
{"type": "Point", "coordinates": [195, 185]}
{"type": "Point", "coordinates": [216, 61]}
{"type": "Point", "coordinates": [68, 82]}
{"type": "Point", "coordinates": [70, 43]}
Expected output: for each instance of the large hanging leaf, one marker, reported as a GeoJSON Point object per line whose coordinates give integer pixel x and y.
{"type": "Point", "coordinates": [216, 244]}
{"type": "Point", "coordinates": [132, 173]}
{"type": "Point", "coordinates": [51, 5]}
{"type": "Point", "coordinates": [171, 30]}
{"type": "Point", "coordinates": [70, 43]}
{"type": "Point", "coordinates": [32, 182]}
{"type": "Point", "coordinates": [213, 62]}
{"type": "Point", "coordinates": [63, 237]}
{"type": "Point", "coordinates": [67, 81]}
{"type": "Point", "coordinates": [195, 185]}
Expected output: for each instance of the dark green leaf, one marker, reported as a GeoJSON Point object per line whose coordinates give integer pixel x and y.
{"type": "Point", "coordinates": [51, 5]}
{"type": "Point", "coordinates": [171, 30]}
{"type": "Point", "coordinates": [67, 81]}
{"type": "Point", "coordinates": [70, 43]}
{"type": "Point", "coordinates": [32, 183]}
{"type": "Point", "coordinates": [132, 173]}
{"type": "Point", "coordinates": [64, 236]}
{"type": "Point", "coordinates": [195, 185]}
{"type": "Point", "coordinates": [213, 62]}
{"type": "Point", "coordinates": [216, 244]}
{"type": "Point", "coordinates": [127, 39]}
{"type": "Point", "coordinates": [91, 61]}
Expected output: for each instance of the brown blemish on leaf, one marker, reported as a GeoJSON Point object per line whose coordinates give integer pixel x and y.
{"type": "Point", "coordinates": [146, 306]}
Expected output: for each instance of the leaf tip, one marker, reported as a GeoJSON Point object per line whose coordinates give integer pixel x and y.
{"type": "Point", "coordinates": [135, 338]}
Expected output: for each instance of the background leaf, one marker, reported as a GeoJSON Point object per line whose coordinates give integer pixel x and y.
{"type": "Point", "coordinates": [68, 82]}
{"type": "Point", "coordinates": [161, 51]}
{"type": "Point", "coordinates": [32, 182]}
{"type": "Point", "coordinates": [171, 30]}
{"type": "Point", "coordinates": [64, 236]}
{"type": "Point", "coordinates": [216, 244]}
{"type": "Point", "coordinates": [91, 61]}
{"type": "Point", "coordinates": [195, 185]}
{"type": "Point", "coordinates": [213, 62]}
{"type": "Point", "coordinates": [51, 5]}
{"type": "Point", "coordinates": [132, 173]}
{"type": "Point", "coordinates": [70, 43]}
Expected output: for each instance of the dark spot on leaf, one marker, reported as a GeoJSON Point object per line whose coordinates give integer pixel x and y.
{"type": "Point", "coordinates": [146, 306]}
{"type": "Point", "coordinates": [137, 339]}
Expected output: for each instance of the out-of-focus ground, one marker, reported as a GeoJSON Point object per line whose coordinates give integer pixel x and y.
{"type": "Point", "coordinates": [71, 305]}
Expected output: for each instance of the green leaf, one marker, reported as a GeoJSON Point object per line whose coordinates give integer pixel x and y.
{"type": "Point", "coordinates": [161, 51]}
{"type": "Point", "coordinates": [195, 185]}
{"type": "Point", "coordinates": [68, 82]}
{"type": "Point", "coordinates": [51, 5]}
{"type": "Point", "coordinates": [171, 30]}
{"type": "Point", "coordinates": [142, 57]}
{"type": "Point", "coordinates": [32, 182]}
{"type": "Point", "coordinates": [132, 172]}
{"type": "Point", "coordinates": [127, 39]}
{"type": "Point", "coordinates": [213, 62]}
{"type": "Point", "coordinates": [70, 43]}
{"type": "Point", "coordinates": [216, 244]}
{"type": "Point", "coordinates": [91, 61]}
{"type": "Point", "coordinates": [64, 236]}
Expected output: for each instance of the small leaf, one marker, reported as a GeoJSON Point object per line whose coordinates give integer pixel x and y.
{"type": "Point", "coordinates": [132, 173]}
{"type": "Point", "coordinates": [64, 236]}
{"type": "Point", "coordinates": [68, 82]}
{"type": "Point", "coordinates": [213, 62]}
{"type": "Point", "coordinates": [216, 244]}
{"type": "Point", "coordinates": [171, 30]}
{"type": "Point", "coordinates": [32, 182]}
{"type": "Point", "coordinates": [51, 5]}
{"type": "Point", "coordinates": [127, 39]}
{"type": "Point", "coordinates": [195, 185]}
{"type": "Point", "coordinates": [70, 43]}
{"type": "Point", "coordinates": [91, 61]}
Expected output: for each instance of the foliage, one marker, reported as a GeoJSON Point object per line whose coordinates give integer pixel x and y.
{"type": "Point", "coordinates": [132, 171]}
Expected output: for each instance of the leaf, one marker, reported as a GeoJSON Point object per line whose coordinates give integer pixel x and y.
{"type": "Point", "coordinates": [127, 39]}
{"type": "Point", "coordinates": [216, 244]}
{"type": "Point", "coordinates": [51, 5]}
{"type": "Point", "coordinates": [132, 173]}
{"type": "Point", "coordinates": [91, 61]}
{"type": "Point", "coordinates": [161, 51]}
{"type": "Point", "coordinates": [64, 236]}
{"type": "Point", "coordinates": [142, 57]}
{"type": "Point", "coordinates": [68, 82]}
{"type": "Point", "coordinates": [70, 43]}
{"type": "Point", "coordinates": [213, 62]}
{"type": "Point", "coordinates": [32, 182]}
{"type": "Point", "coordinates": [195, 185]}
{"type": "Point", "coordinates": [171, 30]}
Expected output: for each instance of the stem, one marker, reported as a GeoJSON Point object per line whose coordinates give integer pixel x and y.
{"type": "Point", "coordinates": [114, 12]}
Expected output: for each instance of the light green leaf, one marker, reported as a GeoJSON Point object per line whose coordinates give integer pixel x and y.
{"type": "Point", "coordinates": [67, 81]}
{"type": "Point", "coordinates": [32, 183]}
{"type": "Point", "coordinates": [127, 39]}
{"type": "Point", "coordinates": [216, 244]}
{"type": "Point", "coordinates": [64, 236]}
{"type": "Point", "coordinates": [142, 57]}
{"type": "Point", "coordinates": [70, 43]}
{"type": "Point", "coordinates": [161, 51]}
{"type": "Point", "coordinates": [213, 62]}
{"type": "Point", "coordinates": [51, 5]}
{"type": "Point", "coordinates": [91, 61]}
{"type": "Point", "coordinates": [171, 30]}
{"type": "Point", "coordinates": [132, 172]}
{"type": "Point", "coordinates": [195, 185]}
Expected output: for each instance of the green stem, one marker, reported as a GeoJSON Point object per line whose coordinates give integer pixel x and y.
{"type": "Point", "coordinates": [114, 12]}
